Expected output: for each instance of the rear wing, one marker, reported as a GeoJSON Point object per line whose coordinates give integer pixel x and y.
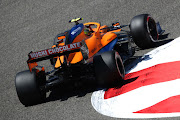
{"type": "Point", "coordinates": [52, 52]}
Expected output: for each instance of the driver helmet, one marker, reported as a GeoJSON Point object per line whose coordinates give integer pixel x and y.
{"type": "Point", "coordinates": [87, 31]}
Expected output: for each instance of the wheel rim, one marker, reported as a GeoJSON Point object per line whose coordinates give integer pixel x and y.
{"type": "Point", "coordinates": [120, 67]}
{"type": "Point", "coordinates": [151, 27]}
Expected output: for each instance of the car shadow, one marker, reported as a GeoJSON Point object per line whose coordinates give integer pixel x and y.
{"type": "Point", "coordinates": [66, 92]}
{"type": "Point", "coordinates": [161, 41]}
{"type": "Point", "coordinates": [133, 61]}
{"type": "Point", "coordinates": [63, 93]}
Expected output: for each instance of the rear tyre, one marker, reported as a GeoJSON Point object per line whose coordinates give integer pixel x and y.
{"type": "Point", "coordinates": [109, 69]}
{"type": "Point", "coordinates": [143, 30]}
{"type": "Point", "coordinates": [27, 88]}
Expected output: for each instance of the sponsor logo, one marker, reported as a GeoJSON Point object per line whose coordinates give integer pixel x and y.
{"type": "Point", "coordinates": [55, 50]}
{"type": "Point", "coordinates": [75, 31]}
{"type": "Point", "coordinates": [100, 45]}
{"type": "Point", "coordinates": [93, 50]}
{"type": "Point", "coordinates": [110, 39]}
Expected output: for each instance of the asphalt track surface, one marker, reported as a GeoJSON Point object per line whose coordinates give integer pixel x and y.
{"type": "Point", "coordinates": [31, 25]}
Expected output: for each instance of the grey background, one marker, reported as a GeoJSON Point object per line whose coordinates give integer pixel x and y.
{"type": "Point", "coordinates": [31, 25]}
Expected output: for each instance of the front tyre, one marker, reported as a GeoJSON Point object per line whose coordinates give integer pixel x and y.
{"type": "Point", "coordinates": [143, 30]}
{"type": "Point", "coordinates": [27, 88]}
{"type": "Point", "coordinates": [109, 69]}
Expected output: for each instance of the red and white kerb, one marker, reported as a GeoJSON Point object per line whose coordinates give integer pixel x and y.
{"type": "Point", "coordinates": [154, 91]}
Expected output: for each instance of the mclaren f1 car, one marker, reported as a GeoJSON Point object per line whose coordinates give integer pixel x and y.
{"type": "Point", "coordinates": [87, 53]}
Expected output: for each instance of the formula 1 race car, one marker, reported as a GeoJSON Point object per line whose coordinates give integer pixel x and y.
{"type": "Point", "coordinates": [87, 53]}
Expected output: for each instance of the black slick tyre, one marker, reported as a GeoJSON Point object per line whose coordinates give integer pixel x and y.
{"type": "Point", "coordinates": [27, 88]}
{"type": "Point", "coordinates": [109, 69]}
{"type": "Point", "coordinates": [143, 30]}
